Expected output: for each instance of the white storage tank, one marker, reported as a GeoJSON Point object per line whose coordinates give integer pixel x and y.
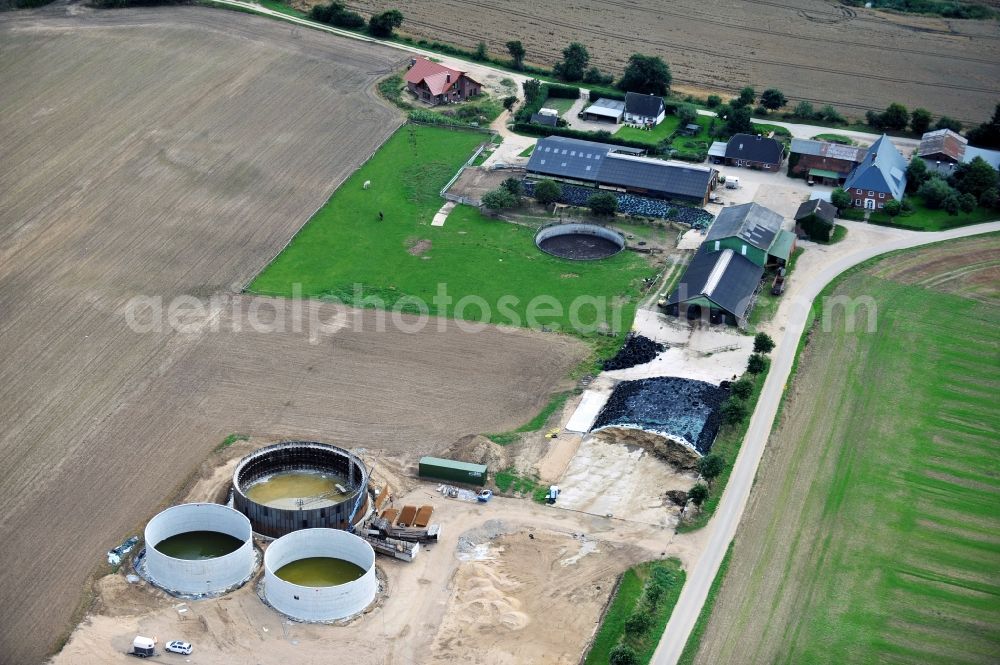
{"type": "Point", "coordinates": [199, 548]}
{"type": "Point", "coordinates": [319, 574]}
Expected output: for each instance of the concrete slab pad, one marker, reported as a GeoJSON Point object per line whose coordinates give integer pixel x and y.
{"type": "Point", "coordinates": [441, 215]}
{"type": "Point", "coordinates": [591, 404]}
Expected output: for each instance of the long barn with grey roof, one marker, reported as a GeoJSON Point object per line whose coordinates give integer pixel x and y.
{"type": "Point", "coordinates": [620, 169]}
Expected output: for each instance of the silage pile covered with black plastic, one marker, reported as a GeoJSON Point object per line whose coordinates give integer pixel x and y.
{"type": "Point", "coordinates": [635, 351]}
{"type": "Point", "coordinates": [681, 408]}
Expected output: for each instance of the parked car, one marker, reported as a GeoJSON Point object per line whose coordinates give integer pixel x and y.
{"type": "Point", "coordinates": [183, 648]}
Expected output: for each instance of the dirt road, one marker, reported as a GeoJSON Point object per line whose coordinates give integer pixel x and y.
{"type": "Point", "coordinates": [168, 152]}
{"type": "Point", "coordinates": [794, 309]}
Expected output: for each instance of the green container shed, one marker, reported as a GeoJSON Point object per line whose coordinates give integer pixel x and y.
{"type": "Point", "coordinates": [453, 471]}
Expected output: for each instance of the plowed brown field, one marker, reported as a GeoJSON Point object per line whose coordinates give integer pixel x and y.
{"type": "Point", "coordinates": [175, 151]}
{"type": "Point", "coordinates": [856, 59]}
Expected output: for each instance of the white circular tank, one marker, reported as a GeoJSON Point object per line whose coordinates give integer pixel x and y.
{"type": "Point", "coordinates": [322, 603]}
{"type": "Point", "coordinates": [199, 576]}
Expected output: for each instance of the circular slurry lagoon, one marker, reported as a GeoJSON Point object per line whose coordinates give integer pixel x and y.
{"type": "Point", "coordinates": [580, 242]}
{"type": "Point", "coordinates": [199, 545]}
{"type": "Point", "coordinates": [320, 571]}
{"type": "Point", "coordinates": [290, 490]}
{"type": "Point", "coordinates": [199, 549]}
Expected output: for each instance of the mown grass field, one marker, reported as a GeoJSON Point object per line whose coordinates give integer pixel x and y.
{"type": "Point", "coordinates": [873, 535]}
{"type": "Point", "coordinates": [345, 252]}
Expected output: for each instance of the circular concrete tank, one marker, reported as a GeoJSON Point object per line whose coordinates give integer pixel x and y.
{"type": "Point", "coordinates": [319, 603]}
{"type": "Point", "coordinates": [211, 549]}
{"type": "Point", "coordinates": [300, 485]}
{"type": "Point", "coordinates": [581, 242]}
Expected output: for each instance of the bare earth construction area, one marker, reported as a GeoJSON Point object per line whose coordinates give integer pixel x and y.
{"type": "Point", "coordinates": [168, 152]}
{"type": "Point", "coordinates": [855, 59]}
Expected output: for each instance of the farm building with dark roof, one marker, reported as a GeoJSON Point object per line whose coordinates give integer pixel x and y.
{"type": "Point", "coordinates": [620, 169]}
{"type": "Point", "coordinates": [822, 161]}
{"type": "Point", "coordinates": [721, 285]}
{"type": "Point", "coordinates": [754, 232]}
{"type": "Point", "coordinates": [754, 152]}
{"type": "Point", "coordinates": [644, 109]}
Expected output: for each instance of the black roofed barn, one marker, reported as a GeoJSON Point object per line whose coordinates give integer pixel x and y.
{"type": "Point", "coordinates": [721, 285]}
{"type": "Point", "coordinates": [754, 152]}
{"type": "Point", "coordinates": [644, 109]}
{"type": "Point", "coordinates": [620, 169]}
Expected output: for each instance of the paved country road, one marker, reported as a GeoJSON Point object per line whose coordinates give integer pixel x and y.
{"type": "Point", "coordinates": [723, 525]}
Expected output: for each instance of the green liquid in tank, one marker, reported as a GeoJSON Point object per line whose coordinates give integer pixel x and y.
{"type": "Point", "coordinates": [294, 490]}
{"type": "Point", "coordinates": [196, 545]}
{"type": "Point", "coordinates": [320, 571]}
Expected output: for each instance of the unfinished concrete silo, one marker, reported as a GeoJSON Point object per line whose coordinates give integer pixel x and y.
{"type": "Point", "coordinates": [300, 485]}
{"type": "Point", "coordinates": [319, 575]}
{"type": "Point", "coordinates": [199, 548]}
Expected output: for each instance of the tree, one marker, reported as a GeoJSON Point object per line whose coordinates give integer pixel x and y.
{"type": "Point", "coordinates": [944, 122]}
{"type": "Point", "coordinates": [623, 654]}
{"type": "Point", "coordinates": [382, 25]}
{"type": "Point", "coordinates": [603, 203]}
{"type": "Point", "coordinates": [893, 207]}
{"type": "Point", "coordinates": [532, 89]}
{"type": "Point", "coordinates": [574, 62]}
{"type": "Point", "coordinates": [733, 411]}
{"type": "Point", "coordinates": [773, 99]}
{"type": "Point", "coordinates": [742, 388]}
{"type": "Point", "coordinates": [916, 174]}
{"type": "Point", "coordinates": [762, 343]}
{"type": "Point", "coordinates": [935, 192]}
{"type": "Point", "coordinates": [967, 203]}
{"type": "Point", "coordinates": [990, 198]}
{"type": "Point", "coordinates": [952, 203]}
{"type": "Point", "coordinates": [637, 623]}
{"type": "Point", "coordinates": [517, 53]}
{"type": "Point", "coordinates": [874, 119]}
{"type": "Point", "coordinates": [747, 95]}
{"type": "Point", "coordinates": [547, 191]}
{"type": "Point", "coordinates": [481, 52]}
{"type": "Point", "coordinates": [597, 77]}
{"type": "Point", "coordinates": [804, 110]}
{"type": "Point", "coordinates": [738, 121]}
{"type": "Point", "coordinates": [710, 466]}
{"type": "Point", "coordinates": [713, 101]}
{"type": "Point", "coordinates": [698, 494]}
{"type": "Point", "coordinates": [920, 120]}
{"type": "Point", "coordinates": [647, 74]}
{"type": "Point", "coordinates": [987, 135]}
{"type": "Point", "coordinates": [756, 363]}
{"type": "Point", "coordinates": [974, 177]}
{"type": "Point", "coordinates": [499, 199]}
{"type": "Point", "coordinates": [513, 185]}
{"type": "Point", "coordinates": [895, 117]}
{"type": "Point", "coordinates": [687, 114]}
{"type": "Point", "coordinates": [510, 102]}
{"type": "Point", "coordinates": [831, 114]}
{"type": "Point", "coordinates": [840, 198]}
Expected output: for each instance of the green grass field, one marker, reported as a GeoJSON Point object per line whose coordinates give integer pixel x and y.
{"type": "Point", "coordinates": [924, 219]}
{"type": "Point", "coordinates": [874, 533]}
{"type": "Point", "coordinates": [561, 104]}
{"type": "Point", "coordinates": [345, 252]}
{"type": "Point", "coordinates": [669, 574]}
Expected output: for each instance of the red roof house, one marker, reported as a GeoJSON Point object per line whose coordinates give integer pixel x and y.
{"type": "Point", "coordinates": [436, 84]}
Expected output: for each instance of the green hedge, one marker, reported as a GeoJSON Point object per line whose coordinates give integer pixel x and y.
{"type": "Point", "coordinates": [605, 94]}
{"type": "Point", "coordinates": [540, 130]}
{"type": "Point", "coordinates": [562, 91]}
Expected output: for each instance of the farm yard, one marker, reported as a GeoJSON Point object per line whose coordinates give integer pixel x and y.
{"type": "Point", "coordinates": [470, 256]}
{"type": "Point", "coordinates": [871, 535]}
{"type": "Point", "coordinates": [155, 153]}
{"type": "Point", "coordinates": [811, 49]}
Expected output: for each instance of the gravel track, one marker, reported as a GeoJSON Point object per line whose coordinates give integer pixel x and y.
{"type": "Point", "coordinates": [175, 151]}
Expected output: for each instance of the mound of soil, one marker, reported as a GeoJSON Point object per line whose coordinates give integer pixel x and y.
{"type": "Point", "coordinates": [635, 351]}
{"type": "Point", "coordinates": [477, 449]}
